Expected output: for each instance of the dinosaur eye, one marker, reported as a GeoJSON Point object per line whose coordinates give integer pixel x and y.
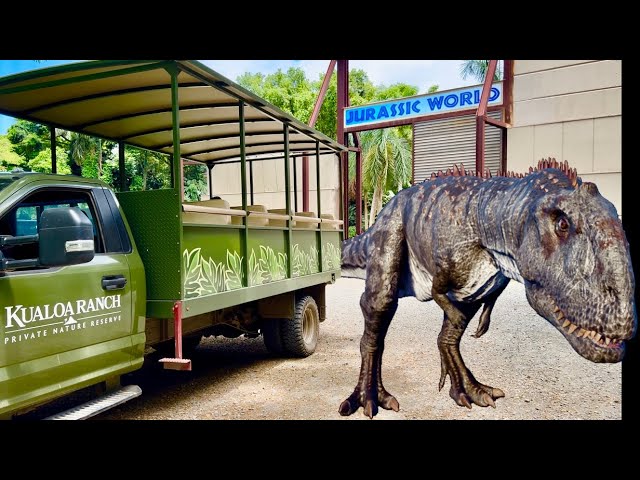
{"type": "Point", "coordinates": [562, 226]}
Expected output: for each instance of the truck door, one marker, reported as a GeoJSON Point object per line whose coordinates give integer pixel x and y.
{"type": "Point", "coordinates": [63, 327]}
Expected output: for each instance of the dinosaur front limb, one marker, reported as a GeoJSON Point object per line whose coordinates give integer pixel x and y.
{"type": "Point", "coordinates": [485, 316]}
{"type": "Point", "coordinates": [465, 389]}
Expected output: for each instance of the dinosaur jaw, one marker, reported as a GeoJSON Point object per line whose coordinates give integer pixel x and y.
{"type": "Point", "coordinates": [589, 343]}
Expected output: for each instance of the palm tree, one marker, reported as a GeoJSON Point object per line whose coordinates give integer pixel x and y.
{"type": "Point", "coordinates": [386, 158]}
{"type": "Point", "coordinates": [80, 147]}
{"type": "Point", "coordinates": [478, 70]}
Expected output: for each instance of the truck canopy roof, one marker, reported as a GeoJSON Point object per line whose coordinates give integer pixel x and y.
{"type": "Point", "coordinates": [131, 101]}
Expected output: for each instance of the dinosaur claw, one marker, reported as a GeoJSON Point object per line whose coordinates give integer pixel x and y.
{"type": "Point", "coordinates": [497, 393]}
{"type": "Point", "coordinates": [345, 409]}
{"type": "Point", "coordinates": [463, 401]}
{"type": "Point", "coordinates": [390, 403]}
{"type": "Point", "coordinates": [370, 409]}
{"type": "Point", "coordinates": [490, 401]}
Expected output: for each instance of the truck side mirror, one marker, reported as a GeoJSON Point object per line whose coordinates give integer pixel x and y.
{"type": "Point", "coordinates": [66, 237]}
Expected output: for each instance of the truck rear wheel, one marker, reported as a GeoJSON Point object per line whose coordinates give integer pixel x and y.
{"type": "Point", "coordinates": [300, 335]}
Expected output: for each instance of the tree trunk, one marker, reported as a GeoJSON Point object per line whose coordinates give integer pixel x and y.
{"type": "Point", "coordinates": [145, 167]}
{"type": "Point", "coordinates": [366, 211]}
{"type": "Point", "coordinates": [376, 204]}
{"type": "Point", "coordinates": [99, 158]}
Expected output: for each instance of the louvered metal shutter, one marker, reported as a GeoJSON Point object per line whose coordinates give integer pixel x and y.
{"type": "Point", "coordinates": [439, 144]}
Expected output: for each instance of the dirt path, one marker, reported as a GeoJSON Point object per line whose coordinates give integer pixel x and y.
{"type": "Point", "coordinates": [541, 375]}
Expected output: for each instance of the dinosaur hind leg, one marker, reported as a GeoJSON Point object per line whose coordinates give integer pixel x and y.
{"type": "Point", "coordinates": [379, 303]}
{"type": "Point", "coordinates": [465, 389]}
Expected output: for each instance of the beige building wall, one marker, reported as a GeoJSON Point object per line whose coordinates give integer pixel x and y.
{"type": "Point", "coordinates": [570, 110]}
{"type": "Point", "coordinates": [269, 183]}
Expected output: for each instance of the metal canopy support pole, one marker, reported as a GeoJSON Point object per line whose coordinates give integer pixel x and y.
{"type": "Point", "coordinates": [507, 102]}
{"type": "Point", "coordinates": [243, 179]}
{"type": "Point", "coordinates": [176, 164]}
{"type": "Point", "coordinates": [54, 160]}
{"type": "Point", "coordinates": [340, 196]}
{"type": "Point", "coordinates": [305, 183]}
{"type": "Point", "coordinates": [295, 186]}
{"type": "Point", "coordinates": [251, 181]}
{"type": "Point", "coordinates": [356, 142]}
{"type": "Point", "coordinates": [312, 123]}
{"type": "Point", "coordinates": [177, 363]}
{"type": "Point", "coordinates": [122, 168]}
{"type": "Point", "coordinates": [210, 171]}
{"type": "Point", "coordinates": [343, 101]}
{"type": "Point", "coordinates": [287, 183]}
{"type": "Point", "coordinates": [320, 268]}
{"type": "Point", "coordinates": [481, 114]}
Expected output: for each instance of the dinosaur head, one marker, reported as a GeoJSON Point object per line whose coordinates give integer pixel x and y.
{"type": "Point", "coordinates": [574, 259]}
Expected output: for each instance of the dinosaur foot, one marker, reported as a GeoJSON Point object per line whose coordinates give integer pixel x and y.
{"type": "Point", "coordinates": [369, 401]}
{"type": "Point", "coordinates": [475, 392]}
{"type": "Point", "coordinates": [466, 390]}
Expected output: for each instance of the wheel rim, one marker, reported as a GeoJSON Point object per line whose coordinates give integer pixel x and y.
{"type": "Point", "coordinates": [308, 326]}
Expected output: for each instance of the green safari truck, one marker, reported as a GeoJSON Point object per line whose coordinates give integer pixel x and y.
{"type": "Point", "coordinates": [93, 276]}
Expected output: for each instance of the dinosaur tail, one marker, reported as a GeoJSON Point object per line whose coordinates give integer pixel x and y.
{"type": "Point", "coordinates": [354, 256]}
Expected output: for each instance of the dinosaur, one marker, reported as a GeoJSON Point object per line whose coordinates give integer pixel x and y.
{"type": "Point", "coordinates": [459, 238]}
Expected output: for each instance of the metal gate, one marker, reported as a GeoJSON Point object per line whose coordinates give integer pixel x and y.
{"type": "Point", "coordinates": [439, 144]}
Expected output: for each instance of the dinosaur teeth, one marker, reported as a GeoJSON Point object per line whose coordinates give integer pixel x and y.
{"type": "Point", "coordinates": [598, 336]}
{"type": "Point", "coordinates": [582, 332]}
{"type": "Point", "coordinates": [566, 322]}
{"type": "Point", "coordinates": [572, 328]}
{"type": "Point", "coordinates": [556, 310]}
{"type": "Point", "coordinates": [607, 340]}
{"type": "Point", "coordinates": [592, 333]}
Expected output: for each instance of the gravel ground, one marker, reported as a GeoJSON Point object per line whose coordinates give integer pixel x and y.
{"type": "Point", "coordinates": [541, 375]}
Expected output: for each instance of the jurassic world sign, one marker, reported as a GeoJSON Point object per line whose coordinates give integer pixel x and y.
{"type": "Point", "coordinates": [419, 106]}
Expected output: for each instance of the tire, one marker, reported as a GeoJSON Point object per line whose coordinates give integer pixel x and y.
{"type": "Point", "coordinates": [300, 335]}
{"type": "Point", "coordinates": [272, 335]}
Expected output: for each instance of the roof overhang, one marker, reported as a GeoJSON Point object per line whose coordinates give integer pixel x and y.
{"type": "Point", "coordinates": [130, 101]}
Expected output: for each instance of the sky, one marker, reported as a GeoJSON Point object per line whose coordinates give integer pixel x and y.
{"type": "Point", "coordinates": [420, 73]}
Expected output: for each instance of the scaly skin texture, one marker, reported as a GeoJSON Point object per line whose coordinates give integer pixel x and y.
{"type": "Point", "coordinates": [458, 240]}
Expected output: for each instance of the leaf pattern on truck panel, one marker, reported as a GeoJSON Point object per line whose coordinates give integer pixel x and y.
{"type": "Point", "coordinates": [233, 274]}
{"type": "Point", "coordinates": [304, 263]}
{"type": "Point", "coordinates": [206, 276]}
{"type": "Point", "coordinates": [275, 266]}
{"type": "Point", "coordinates": [256, 274]}
{"type": "Point", "coordinates": [331, 257]}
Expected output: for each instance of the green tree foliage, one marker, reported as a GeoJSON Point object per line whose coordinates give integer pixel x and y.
{"type": "Point", "coordinates": [195, 182]}
{"type": "Point", "coordinates": [386, 153]}
{"type": "Point", "coordinates": [28, 139]}
{"type": "Point", "coordinates": [386, 158]}
{"type": "Point", "coordinates": [478, 69]}
{"type": "Point", "coordinates": [8, 158]}
{"type": "Point", "coordinates": [42, 161]}
{"type": "Point", "coordinates": [27, 146]}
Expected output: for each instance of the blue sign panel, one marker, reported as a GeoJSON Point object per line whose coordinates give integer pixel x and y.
{"type": "Point", "coordinates": [420, 106]}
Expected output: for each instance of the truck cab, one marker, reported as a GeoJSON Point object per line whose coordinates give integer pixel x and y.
{"type": "Point", "coordinates": [65, 325]}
